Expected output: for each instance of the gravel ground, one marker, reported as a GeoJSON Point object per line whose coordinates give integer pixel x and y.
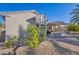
{"type": "Point", "coordinates": [45, 48]}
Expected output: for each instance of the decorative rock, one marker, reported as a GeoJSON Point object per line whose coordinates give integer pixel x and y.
{"type": "Point", "coordinates": [21, 51]}
{"type": "Point", "coordinates": [45, 48]}
{"type": "Point", "coordinates": [7, 51]}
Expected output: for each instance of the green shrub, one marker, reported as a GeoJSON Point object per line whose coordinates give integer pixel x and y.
{"type": "Point", "coordinates": [74, 28]}
{"type": "Point", "coordinates": [77, 28]}
{"type": "Point", "coordinates": [32, 36]}
{"type": "Point", "coordinates": [10, 42]}
{"type": "Point", "coordinates": [0, 34]}
{"type": "Point", "coordinates": [78, 38]}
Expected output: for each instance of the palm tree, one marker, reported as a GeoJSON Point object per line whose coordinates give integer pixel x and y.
{"type": "Point", "coordinates": [75, 16]}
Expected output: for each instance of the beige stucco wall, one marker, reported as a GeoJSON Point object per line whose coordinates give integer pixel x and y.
{"type": "Point", "coordinates": [14, 21]}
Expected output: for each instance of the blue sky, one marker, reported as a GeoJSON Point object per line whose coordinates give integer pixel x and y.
{"type": "Point", "coordinates": [52, 11]}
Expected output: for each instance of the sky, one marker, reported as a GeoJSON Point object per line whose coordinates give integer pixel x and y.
{"type": "Point", "coordinates": [52, 11]}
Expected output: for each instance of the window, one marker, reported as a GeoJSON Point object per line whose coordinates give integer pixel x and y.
{"type": "Point", "coordinates": [31, 21]}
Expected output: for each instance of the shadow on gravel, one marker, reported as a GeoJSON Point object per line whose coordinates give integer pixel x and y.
{"type": "Point", "coordinates": [64, 51]}
{"type": "Point", "coordinates": [63, 39]}
{"type": "Point", "coordinates": [73, 42]}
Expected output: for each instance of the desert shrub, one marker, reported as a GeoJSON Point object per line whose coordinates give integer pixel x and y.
{"type": "Point", "coordinates": [32, 36]}
{"type": "Point", "coordinates": [10, 41]}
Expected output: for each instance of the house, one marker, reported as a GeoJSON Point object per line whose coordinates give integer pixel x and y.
{"type": "Point", "coordinates": [16, 20]}
{"type": "Point", "coordinates": [57, 26]}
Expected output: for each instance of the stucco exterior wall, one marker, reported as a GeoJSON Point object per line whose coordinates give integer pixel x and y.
{"type": "Point", "coordinates": [14, 21]}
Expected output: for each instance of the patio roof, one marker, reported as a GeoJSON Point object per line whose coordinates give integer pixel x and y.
{"type": "Point", "coordinates": [56, 24]}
